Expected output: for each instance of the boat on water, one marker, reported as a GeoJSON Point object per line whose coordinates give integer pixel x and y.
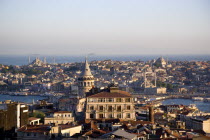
{"type": "Point", "coordinates": [46, 94]}
{"type": "Point", "coordinates": [18, 94]}
{"type": "Point", "coordinates": [197, 98]}
{"type": "Point", "coordinates": [193, 106]}
{"type": "Point", "coordinates": [206, 100]}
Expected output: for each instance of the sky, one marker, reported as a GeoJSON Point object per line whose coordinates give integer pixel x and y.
{"type": "Point", "coordinates": [104, 27]}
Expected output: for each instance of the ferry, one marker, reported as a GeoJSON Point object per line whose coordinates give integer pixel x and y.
{"type": "Point", "coordinates": [207, 100]}
{"type": "Point", "coordinates": [197, 98]}
{"type": "Point", "coordinates": [18, 94]}
{"type": "Point", "coordinates": [46, 94]}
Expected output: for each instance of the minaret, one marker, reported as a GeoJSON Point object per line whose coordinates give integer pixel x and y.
{"type": "Point", "coordinates": [86, 80]}
{"type": "Point", "coordinates": [54, 60]}
{"type": "Point", "coordinates": [45, 60]}
{"type": "Point", "coordinates": [29, 60]}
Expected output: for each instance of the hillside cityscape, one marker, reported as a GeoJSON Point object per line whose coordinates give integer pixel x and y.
{"type": "Point", "coordinates": [104, 70]}
{"type": "Point", "coordinates": [105, 99]}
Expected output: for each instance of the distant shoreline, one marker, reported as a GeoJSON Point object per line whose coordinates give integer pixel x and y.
{"type": "Point", "coordinates": [23, 59]}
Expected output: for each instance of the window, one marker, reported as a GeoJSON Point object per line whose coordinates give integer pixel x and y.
{"type": "Point", "coordinates": [128, 107]}
{"type": "Point", "coordinates": [101, 115]}
{"type": "Point", "coordinates": [91, 116]}
{"type": "Point", "coordinates": [119, 108]}
{"type": "Point", "coordinates": [101, 108]}
{"type": "Point", "coordinates": [127, 100]}
{"type": "Point", "coordinates": [91, 107]}
{"type": "Point", "coordinates": [110, 100]}
{"type": "Point", "coordinates": [119, 115]}
{"type": "Point", "coordinates": [118, 100]}
{"type": "Point", "coordinates": [128, 115]}
{"type": "Point", "coordinates": [90, 100]}
{"type": "Point", "coordinates": [101, 100]}
{"type": "Point", "coordinates": [109, 108]}
{"type": "Point", "coordinates": [110, 116]}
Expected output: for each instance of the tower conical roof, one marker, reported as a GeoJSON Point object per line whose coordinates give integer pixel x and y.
{"type": "Point", "coordinates": [86, 71]}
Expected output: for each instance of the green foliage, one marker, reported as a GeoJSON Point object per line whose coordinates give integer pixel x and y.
{"type": "Point", "coordinates": [32, 71]}
{"type": "Point", "coordinates": [38, 114]}
{"type": "Point", "coordinates": [169, 86]}
{"type": "Point", "coordinates": [4, 70]}
{"type": "Point", "coordinates": [131, 90]}
{"type": "Point", "coordinates": [10, 69]}
{"type": "Point", "coordinates": [73, 68]}
{"type": "Point", "coordinates": [162, 84]}
{"type": "Point", "coordinates": [108, 66]}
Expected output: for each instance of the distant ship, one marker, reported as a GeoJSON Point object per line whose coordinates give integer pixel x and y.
{"type": "Point", "coordinates": [46, 94]}
{"type": "Point", "coordinates": [207, 100]}
{"type": "Point", "coordinates": [197, 98]}
{"type": "Point", "coordinates": [18, 94]}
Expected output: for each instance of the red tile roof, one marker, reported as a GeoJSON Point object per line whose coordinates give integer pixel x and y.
{"type": "Point", "coordinates": [111, 95]}
{"type": "Point", "coordinates": [35, 128]}
{"type": "Point", "coordinates": [33, 118]}
{"type": "Point", "coordinates": [66, 126]}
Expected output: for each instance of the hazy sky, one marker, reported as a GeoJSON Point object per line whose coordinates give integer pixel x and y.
{"type": "Point", "coordinates": [76, 27]}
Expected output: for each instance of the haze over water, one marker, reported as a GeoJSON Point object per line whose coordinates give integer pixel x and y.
{"type": "Point", "coordinates": [23, 59]}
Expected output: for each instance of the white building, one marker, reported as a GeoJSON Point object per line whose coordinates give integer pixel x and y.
{"type": "Point", "coordinates": [60, 117]}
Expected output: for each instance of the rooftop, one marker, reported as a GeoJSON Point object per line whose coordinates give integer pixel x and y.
{"type": "Point", "coordinates": [35, 128]}
{"type": "Point", "coordinates": [62, 112]}
{"type": "Point", "coordinates": [111, 95]}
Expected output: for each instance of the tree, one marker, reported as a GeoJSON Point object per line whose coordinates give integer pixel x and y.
{"type": "Point", "coordinates": [38, 114]}
{"type": "Point", "coordinates": [169, 86]}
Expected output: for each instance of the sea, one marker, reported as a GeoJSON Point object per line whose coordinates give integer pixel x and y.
{"type": "Point", "coordinates": [24, 99]}
{"type": "Point", "coordinates": [202, 106]}
{"type": "Point", "coordinates": [24, 59]}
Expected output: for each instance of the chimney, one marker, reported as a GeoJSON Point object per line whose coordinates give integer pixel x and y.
{"type": "Point", "coordinates": [114, 89]}
{"type": "Point", "coordinates": [151, 114]}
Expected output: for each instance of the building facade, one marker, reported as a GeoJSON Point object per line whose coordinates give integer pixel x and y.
{"type": "Point", "coordinates": [197, 121]}
{"type": "Point", "coordinates": [13, 115]}
{"type": "Point", "coordinates": [115, 104]}
{"type": "Point", "coordinates": [60, 117]}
